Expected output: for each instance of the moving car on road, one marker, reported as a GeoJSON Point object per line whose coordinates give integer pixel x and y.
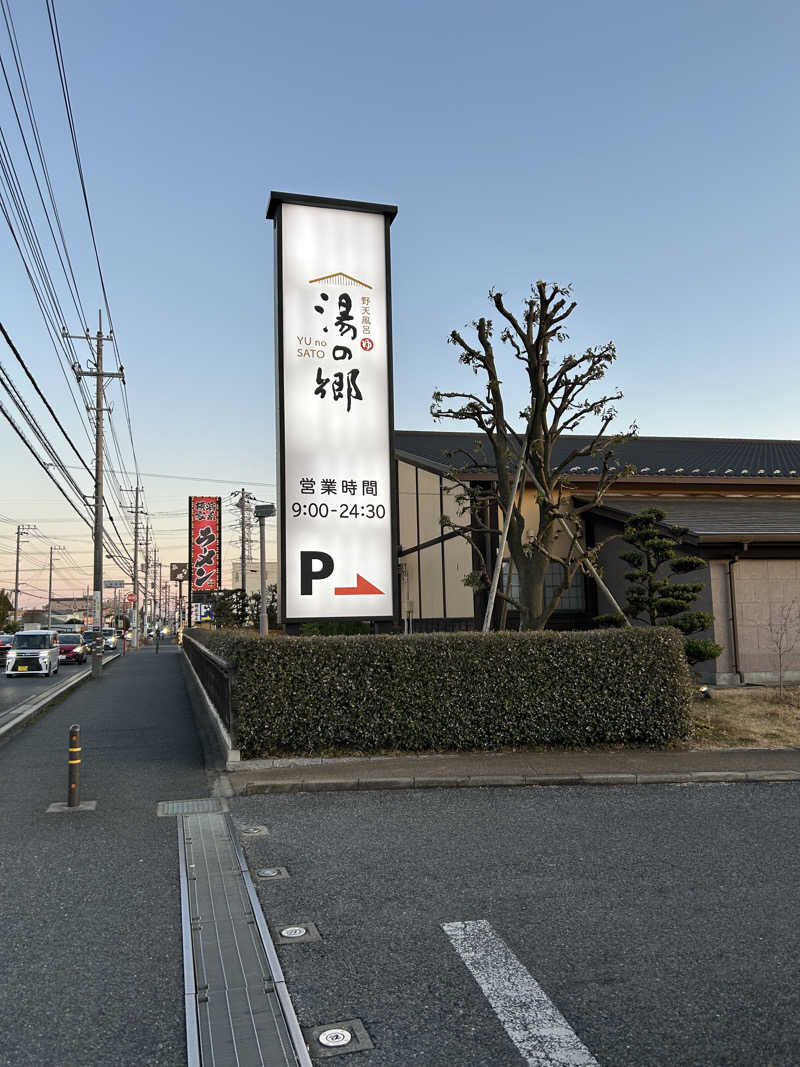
{"type": "Point", "coordinates": [33, 652]}
{"type": "Point", "coordinates": [109, 638]}
{"type": "Point", "coordinates": [71, 649]}
{"type": "Point", "coordinates": [5, 642]}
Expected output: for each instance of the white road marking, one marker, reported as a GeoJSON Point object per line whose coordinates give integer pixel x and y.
{"type": "Point", "coordinates": [540, 1032]}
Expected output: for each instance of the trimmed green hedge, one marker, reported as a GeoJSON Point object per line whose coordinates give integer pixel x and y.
{"type": "Point", "coordinates": [455, 691]}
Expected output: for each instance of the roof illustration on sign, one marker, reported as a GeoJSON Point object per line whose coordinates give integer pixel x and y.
{"type": "Point", "coordinates": [340, 278]}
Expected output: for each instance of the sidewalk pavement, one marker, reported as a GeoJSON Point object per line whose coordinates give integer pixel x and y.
{"type": "Point", "coordinates": [624, 766]}
{"type": "Point", "coordinates": [92, 963]}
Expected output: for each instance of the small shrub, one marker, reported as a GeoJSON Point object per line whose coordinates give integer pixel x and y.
{"type": "Point", "coordinates": [456, 691]}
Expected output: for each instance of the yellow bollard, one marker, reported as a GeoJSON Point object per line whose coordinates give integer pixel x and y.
{"type": "Point", "coordinates": [74, 762]}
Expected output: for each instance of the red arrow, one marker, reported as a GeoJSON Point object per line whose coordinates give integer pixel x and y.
{"type": "Point", "coordinates": [361, 588]}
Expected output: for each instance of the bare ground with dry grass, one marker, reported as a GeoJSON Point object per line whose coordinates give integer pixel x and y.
{"type": "Point", "coordinates": [753, 716]}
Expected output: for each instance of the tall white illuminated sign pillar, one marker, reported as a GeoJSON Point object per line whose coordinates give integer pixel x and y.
{"type": "Point", "coordinates": [336, 479]}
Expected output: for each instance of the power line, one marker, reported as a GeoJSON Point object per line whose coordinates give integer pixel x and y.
{"type": "Point", "coordinates": [43, 398]}
{"type": "Point", "coordinates": [68, 274]}
{"type": "Point", "coordinates": [43, 465]}
{"type": "Point", "coordinates": [199, 478]}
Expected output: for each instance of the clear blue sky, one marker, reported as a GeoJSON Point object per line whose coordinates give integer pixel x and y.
{"type": "Point", "coordinates": [646, 153]}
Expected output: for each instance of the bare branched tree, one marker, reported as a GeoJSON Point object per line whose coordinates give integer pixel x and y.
{"type": "Point", "coordinates": [557, 404]}
{"type": "Point", "coordinates": [784, 635]}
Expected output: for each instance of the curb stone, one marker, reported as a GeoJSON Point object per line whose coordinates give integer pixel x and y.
{"type": "Point", "coordinates": [321, 785]}
{"type": "Point", "coordinates": [607, 779]}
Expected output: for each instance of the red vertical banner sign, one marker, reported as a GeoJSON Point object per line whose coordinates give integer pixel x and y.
{"type": "Point", "coordinates": [205, 543]}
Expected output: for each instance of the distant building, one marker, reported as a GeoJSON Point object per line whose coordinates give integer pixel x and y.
{"type": "Point", "coordinates": [73, 611]}
{"type": "Point", "coordinates": [736, 503]}
{"type": "Point", "coordinates": [253, 575]}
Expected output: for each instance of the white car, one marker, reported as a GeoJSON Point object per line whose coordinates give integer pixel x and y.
{"type": "Point", "coordinates": [33, 652]}
{"type": "Point", "coordinates": [109, 638]}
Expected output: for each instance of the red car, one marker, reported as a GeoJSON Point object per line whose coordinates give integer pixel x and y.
{"type": "Point", "coordinates": [71, 649]}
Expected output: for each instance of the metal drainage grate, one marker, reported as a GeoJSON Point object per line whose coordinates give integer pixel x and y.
{"type": "Point", "coordinates": [191, 807]}
{"type": "Point", "coordinates": [237, 1008]}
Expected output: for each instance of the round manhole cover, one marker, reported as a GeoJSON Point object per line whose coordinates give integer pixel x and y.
{"type": "Point", "coordinates": [335, 1038]}
{"type": "Point", "coordinates": [294, 931]}
{"type": "Point", "coordinates": [268, 872]}
{"type": "Point", "coordinates": [252, 830]}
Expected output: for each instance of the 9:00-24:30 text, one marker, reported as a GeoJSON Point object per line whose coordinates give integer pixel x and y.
{"type": "Point", "coordinates": [343, 511]}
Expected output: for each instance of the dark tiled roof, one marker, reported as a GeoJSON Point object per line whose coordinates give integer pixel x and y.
{"type": "Point", "coordinates": [665, 457]}
{"type": "Point", "coordinates": [718, 518]}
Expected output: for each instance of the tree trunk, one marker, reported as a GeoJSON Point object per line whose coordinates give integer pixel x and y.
{"type": "Point", "coordinates": [533, 609]}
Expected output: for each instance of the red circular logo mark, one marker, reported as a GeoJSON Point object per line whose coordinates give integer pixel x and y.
{"type": "Point", "coordinates": [366, 344]}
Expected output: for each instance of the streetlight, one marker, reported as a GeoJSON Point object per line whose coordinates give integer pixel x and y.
{"type": "Point", "coordinates": [263, 511]}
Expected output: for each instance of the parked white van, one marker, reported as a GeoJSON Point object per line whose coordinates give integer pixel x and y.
{"type": "Point", "coordinates": [33, 652]}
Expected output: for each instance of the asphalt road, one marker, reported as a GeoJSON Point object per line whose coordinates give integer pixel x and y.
{"type": "Point", "coordinates": [661, 921]}
{"type": "Point", "coordinates": [90, 967]}
{"type": "Point", "coordinates": [22, 687]}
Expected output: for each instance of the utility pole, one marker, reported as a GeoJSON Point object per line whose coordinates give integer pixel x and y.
{"type": "Point", "coordinates": [22, 531]}
{"type": "Point", "coordinates": [135, 627]}
{"type": "Point", "coordinates": [98, 374]}
{"type": "Point", "coordinates": [242, 505]}
{"type": "Point", "coordinates": [154, 567]}
{"type": "Point", "coordinates": [53, 548]}
{"type": "Point", "coordinates": [155, 588]}
{"type": "Point", "coordinates": [263, 511]}
{"type": "Point", "coordinates": [146, 569]}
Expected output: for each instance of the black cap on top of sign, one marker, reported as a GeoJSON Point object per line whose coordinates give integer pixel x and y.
{"type": "Point", "coordinates": [390, 210]}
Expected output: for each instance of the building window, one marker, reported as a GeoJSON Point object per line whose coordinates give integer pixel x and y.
{"type": "Point", "coordinates": [573, 599]}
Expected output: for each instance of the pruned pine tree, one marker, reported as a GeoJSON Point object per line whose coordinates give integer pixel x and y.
{"type": "Point", "coordinates": [653, 597]}
{"type": "Point", "coordinates": [557, 403]}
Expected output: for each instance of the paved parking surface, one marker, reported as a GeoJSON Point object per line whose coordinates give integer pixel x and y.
{"type": "Point", "coordinates": [660, 923]}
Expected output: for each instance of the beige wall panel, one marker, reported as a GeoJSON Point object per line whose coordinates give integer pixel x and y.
{"type": "Point", "coordinates": [747, 590]}
{"type": "Point", "coordinates": [756, 568]}
{"type": "Point", "coordinates": [780, 592]}
{"type": "Point", "coordinates": [781, 570]}
{"type": "Point", "coordinates": [458, 564]}
{"type": "Point", "coordinates": [431, 569]}
{"type": "Point", "coordinates": [407, 505]}
{"type": "Point", "coordinates": [764, 589]}
{"type": "Point", "coordinates": [754, 614]}
{"type": "Point", "coordinates": [429, 507]}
